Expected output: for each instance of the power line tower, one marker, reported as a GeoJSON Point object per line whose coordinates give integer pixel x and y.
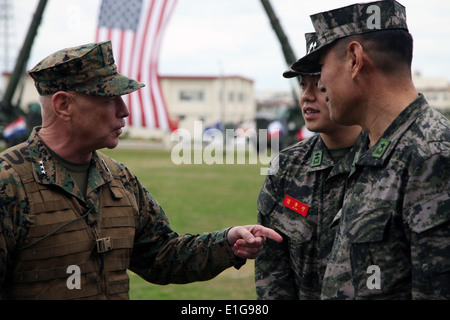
{"type": "Point", "coordinates": [5, 35]}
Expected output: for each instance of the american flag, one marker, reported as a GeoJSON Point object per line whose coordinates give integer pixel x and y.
{"type": "Point", "coordinates": [135, 28]}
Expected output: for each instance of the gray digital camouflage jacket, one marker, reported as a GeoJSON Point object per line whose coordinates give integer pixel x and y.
{"type": "Point", "coordinates": [307, 178]}
{"type": "Point", "coordinates": [394, 228]}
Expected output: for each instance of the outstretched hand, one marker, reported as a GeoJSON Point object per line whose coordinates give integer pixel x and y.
{"type": "Point", "coordinates": [247, 241]}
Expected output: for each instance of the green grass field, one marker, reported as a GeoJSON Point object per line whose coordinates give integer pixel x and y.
{"type": "Point", "coordinates": [198, 198]}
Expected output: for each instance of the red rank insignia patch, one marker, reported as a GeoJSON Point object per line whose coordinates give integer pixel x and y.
{"type": "Point", "coordinates": [295, 205]}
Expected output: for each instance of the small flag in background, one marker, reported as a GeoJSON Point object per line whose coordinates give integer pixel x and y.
{"type": "Point", "coordinates": [135, 28]}
{"type": "Point", "coordinates": [15, 128]}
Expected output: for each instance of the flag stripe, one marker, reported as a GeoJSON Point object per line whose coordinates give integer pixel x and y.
{"type": "Point", "coordinates": [130, 68]}
{"type": "Point", "coordinates": [164, 112]}
{"type": "Point", "coordinates": [164, 17]}
{"type": "Point", "coordinates": [151, 66]}
{"type": "Point", "coordinates": [15, 128]}
{"type": "Point", "coordinates": [141, 57]}
{"type": "Point", "coordinates": [135, 28]}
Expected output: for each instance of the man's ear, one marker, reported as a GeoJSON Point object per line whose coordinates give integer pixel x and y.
{"type": "Point", "coordinates": [61, 103]}
{"type": "Point", "coordinates": [355, 57]}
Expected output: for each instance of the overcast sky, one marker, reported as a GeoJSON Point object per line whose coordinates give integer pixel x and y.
{"type": "Point", "coordinates": [231, 37]}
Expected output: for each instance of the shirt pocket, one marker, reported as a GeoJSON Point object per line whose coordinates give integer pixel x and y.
{"type": "Point", "coordinates": [429, 222]}
{"type": "Point", "coordinates": [299, 229]}
{"type": "Point", "coordinates": [366, 236]}
{"type": "Point", "coordinates": [430, 213]}
{"type": "Point", "coordinates": [265, 202]}
{"type": "Point", "coordinates": [369, 227]}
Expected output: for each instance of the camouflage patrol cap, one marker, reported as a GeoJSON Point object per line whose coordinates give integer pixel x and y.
{"type": "Point", "coordinates": [87, 69]}
{"type": "Point", "coordinates": [311, 41]}
{"type": "Point", "coordinates": [347, 21]}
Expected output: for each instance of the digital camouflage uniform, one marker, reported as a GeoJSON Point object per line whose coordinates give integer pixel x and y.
{"type": "Point", "coordinates": [88, 69]}
{"type": "Point", "coordinates": [396, 214]}
{"type": "Point", "coordinates": [307, 173]}
{"type": "Point", "coordinates": [393, 238]}
{"type": "Point", "coordinates": [156, 252]}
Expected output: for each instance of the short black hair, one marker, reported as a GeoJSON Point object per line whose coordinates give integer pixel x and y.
{"type": "Point", "coordinates": [390, 49]}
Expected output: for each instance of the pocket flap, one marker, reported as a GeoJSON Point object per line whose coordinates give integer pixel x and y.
{"type": "Point", "coordinates": [370, 226]}
{"type": "Point", "coordinates": [265, 202]}
{"type": "Point", "coordinates": [430, 213]}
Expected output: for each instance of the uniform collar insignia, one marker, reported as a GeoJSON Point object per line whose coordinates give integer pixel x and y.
{"type": "Point", "coordinates": [42, 167]}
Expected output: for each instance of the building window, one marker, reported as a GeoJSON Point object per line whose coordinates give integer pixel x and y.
{"type": "Point", "coordinates": [191, 95]}
{"type": "Point", "coordinates": [432, 97]}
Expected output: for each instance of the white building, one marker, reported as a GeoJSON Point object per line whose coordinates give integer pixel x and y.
{"type": "Point", "coordinates": [225, 100]}
{"type": "Point", "coordinates": [436, 90]}
{"type": "Point", "coordinates": [213, 100]}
